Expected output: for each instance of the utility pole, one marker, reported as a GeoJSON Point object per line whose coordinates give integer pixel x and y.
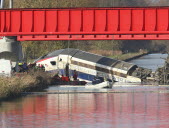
{"type": "Point", "coordinates": [2, 4]}
{"type": "Point", "coordinates": [10, 3]}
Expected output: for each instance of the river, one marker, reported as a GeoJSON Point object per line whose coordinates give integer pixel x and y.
{"type": "Point", "coordinates": [151, 61]}
{"type": "Point", "coordinates": [127, 107]}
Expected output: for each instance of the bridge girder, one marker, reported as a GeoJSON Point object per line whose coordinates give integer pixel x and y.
{"type": "Point", "coordinates": [150, 23]}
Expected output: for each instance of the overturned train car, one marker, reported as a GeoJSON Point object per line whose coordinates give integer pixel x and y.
{"type": "Point", "coordinates": [89, 65]}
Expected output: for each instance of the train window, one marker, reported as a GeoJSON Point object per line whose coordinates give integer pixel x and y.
{"type": "Point", "coordinates": [74, 62]}
{"type": "Point", "coordinates": [53, 62]}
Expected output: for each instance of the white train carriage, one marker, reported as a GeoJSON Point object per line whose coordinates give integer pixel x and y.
{"type": "Point", "coordinates": [88, 65]}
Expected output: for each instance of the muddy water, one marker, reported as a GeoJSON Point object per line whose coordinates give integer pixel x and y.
{"type": "Point", "coordinates": [129, 107]}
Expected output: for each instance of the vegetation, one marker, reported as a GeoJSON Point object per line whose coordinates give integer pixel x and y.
{"type": "Point", "coordinates": [13, 86]}
{"type": "Point", "coordinates": [126, 56]}
{"type": "Point", "coordinates": [34, 49]}
{"type": "Point", "coordinates": [117, 49]}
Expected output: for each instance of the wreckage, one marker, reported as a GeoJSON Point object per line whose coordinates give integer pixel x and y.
{"type": "Point", "coordinates": [88, 66]}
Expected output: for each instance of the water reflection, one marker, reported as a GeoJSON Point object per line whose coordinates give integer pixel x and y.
{"type": "Point", "coordinates": [101, 110]}
{"type": "Point", "coordinates": [133, 107]}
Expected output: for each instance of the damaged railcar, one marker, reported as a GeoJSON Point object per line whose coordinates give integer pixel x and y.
{"type": "Point", "coordinates": [89, 65]}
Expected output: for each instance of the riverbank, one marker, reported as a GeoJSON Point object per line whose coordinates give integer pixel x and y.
{"type": "Point", "coordinates": [128, 56]}
{"type": "Point", "coordinates": [13, 87]}
{"type": "Point", "coordinates": [162, 73]}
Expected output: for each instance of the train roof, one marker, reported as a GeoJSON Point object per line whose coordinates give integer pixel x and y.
{"type": "Point", "coordinates": [51, 54]}
{"type": "Point", "coordinates": [90, 57]}
{"type": "Point", "coordinates": [98, 59]}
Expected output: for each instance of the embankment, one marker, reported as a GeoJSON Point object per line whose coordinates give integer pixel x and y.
{"type": "Point", "coordinates": [135, 57]}
{"type": "Point", "coordinates": [129, 56]}
{"type": "Point", "coordinates": [13, 86]}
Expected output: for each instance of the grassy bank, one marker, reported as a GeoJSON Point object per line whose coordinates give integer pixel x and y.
{"type": "Point", "coordinates": [127, 56]}
{"type": "Point", "coordinates": [13, 86]}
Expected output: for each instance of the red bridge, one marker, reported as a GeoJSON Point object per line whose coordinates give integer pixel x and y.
{"type": "Point", "coordinates": [86, 23]}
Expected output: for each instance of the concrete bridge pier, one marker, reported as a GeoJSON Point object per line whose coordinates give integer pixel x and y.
{"type": "Point", "coordinates": [11, 49]}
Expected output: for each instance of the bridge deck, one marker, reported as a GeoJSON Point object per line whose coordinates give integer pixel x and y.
{"type": "Point", "coordinates": [86, 23]}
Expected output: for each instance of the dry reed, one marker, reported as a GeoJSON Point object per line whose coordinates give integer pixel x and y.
{"type": "Point", "coordinates": [13, 86]}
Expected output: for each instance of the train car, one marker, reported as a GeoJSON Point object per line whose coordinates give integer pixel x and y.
{"type": "Point", "coordinates": [88, 66]}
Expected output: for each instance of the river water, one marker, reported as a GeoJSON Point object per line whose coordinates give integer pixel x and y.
{"type": "Point", "coordinates": [127, 107]}
{"type": "Point", "coordinates": [151, 61]}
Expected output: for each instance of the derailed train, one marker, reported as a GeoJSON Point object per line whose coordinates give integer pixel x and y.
{"type": "Point", "coordinates": [89, 65]}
